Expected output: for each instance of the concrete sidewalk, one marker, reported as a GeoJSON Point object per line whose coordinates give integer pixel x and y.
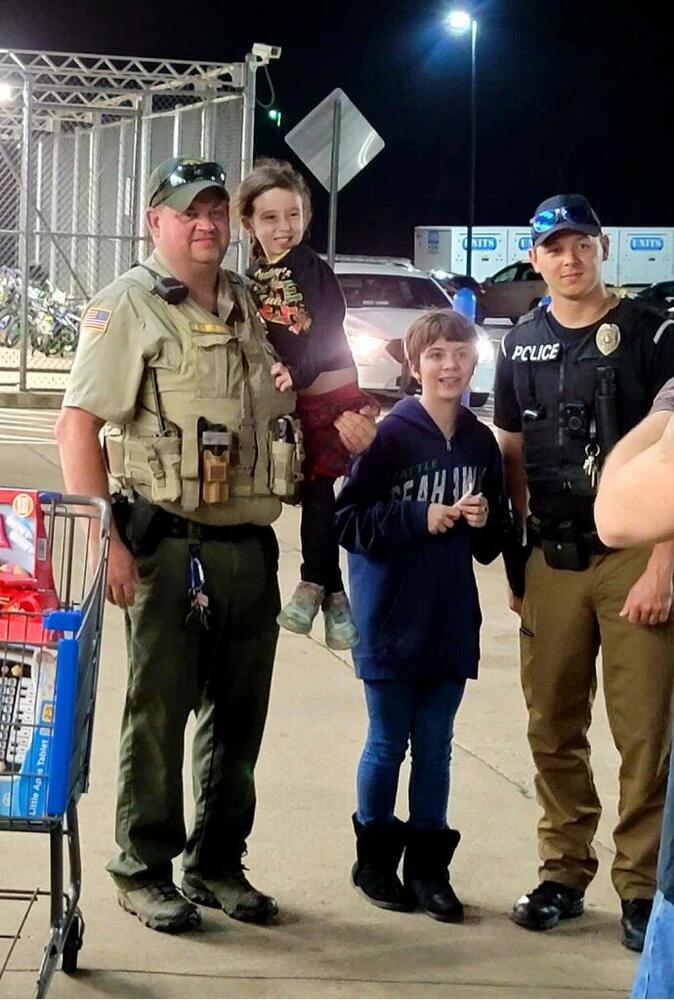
{"type": "Point", "coordinates": [329, 942]}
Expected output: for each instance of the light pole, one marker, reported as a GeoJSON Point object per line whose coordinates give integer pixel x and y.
{"type": "Point", "coordinates": [458, 22]}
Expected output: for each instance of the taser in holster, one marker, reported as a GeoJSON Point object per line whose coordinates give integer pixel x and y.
{"type": "Point", "coordinates": [216, 455]}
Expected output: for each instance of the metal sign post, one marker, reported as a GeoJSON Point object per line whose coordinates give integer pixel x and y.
{"type": "Point", "coordinates": [335, 142]}
{"type": "Point", "coordinates": [334, 179]}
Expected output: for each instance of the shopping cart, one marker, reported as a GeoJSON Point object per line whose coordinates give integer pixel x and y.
{"type": "Point", "coordinates": [48, 674]}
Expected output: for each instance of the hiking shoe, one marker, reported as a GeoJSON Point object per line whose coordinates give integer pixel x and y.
{"type": "Point", "coordinates": [233, 893]}
{"type": "Point", "coordinates": [636, 913]}
{"type": "Point", "coordinates": [546, 905]}
{"type": "Point", "coordinates": [161, 907]}
{"type": "Point", "coordinates": [299, 613]}
{"type": "Point", "coordinates": [340, 630]}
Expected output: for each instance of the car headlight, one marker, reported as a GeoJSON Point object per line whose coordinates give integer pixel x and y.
{"type": "Point", "coordinates": [485, 350]}
{"type": "Point", "coordinates": [364, 347]}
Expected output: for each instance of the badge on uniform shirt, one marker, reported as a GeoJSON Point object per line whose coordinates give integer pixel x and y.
{"type": "Point", "coordinates": [607, 338]}
{"type": "Point", "coordinates": [96, 320]}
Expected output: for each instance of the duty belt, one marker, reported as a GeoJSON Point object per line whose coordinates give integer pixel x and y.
{"type": "Point", "coordinates": [540, 531]}
{"type": "Point", "coordinates": [174, 526]}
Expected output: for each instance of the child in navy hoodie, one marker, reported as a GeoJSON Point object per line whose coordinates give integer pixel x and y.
{"type": "Point", "coordinates": [419, 504]}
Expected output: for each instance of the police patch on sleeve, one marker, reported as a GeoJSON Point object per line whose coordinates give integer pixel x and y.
{"type": "Point", "coordinates": [96, 320]}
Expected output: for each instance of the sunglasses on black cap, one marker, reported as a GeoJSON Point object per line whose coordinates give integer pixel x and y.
{"type": "Point", "coordinates": [544, 221]}
{"type": "Point", "coordinates": [188, 173]}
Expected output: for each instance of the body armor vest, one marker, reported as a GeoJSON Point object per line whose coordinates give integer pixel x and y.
{"type": "Point", "coordinates": [207, 371]}
{"type": "Point", "coordinates": [567, 398]}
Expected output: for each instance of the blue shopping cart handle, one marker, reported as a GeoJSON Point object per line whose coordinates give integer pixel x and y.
{"type": "Point", "coordinates": [63, 621]}
{"type": "Point", "coordinates": [50, 496]}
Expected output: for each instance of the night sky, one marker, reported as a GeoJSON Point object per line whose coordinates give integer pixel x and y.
{"type": "Point", "coordinates": [571, 96]}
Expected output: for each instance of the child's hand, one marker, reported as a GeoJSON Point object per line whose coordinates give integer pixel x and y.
{"type": "Point", "coordinates": [283, 380]}
{"type": "Point", "coordinates": [475, 509]}
{"type": "Point", "coordinates": [370, 410]}
{"type": "Point", "coordinates": [441, 517]}
{"type": "Point", "coordinates": [356, 431]}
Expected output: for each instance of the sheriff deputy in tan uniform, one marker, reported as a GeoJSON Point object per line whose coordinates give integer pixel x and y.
{"type": "Point", "coordinates": [174, 363]}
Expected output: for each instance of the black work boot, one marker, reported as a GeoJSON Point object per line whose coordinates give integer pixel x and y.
{"type": "Point", "coordinates": [232, 892]}
{"type": "Point", "coordinates": [425, 872]}
{"type": "Point", "coordinates": [547, 904]}
{"type": "Point", "coordinates": [379, 848]}
{"type": "Point", "coordinates": [636, 914]}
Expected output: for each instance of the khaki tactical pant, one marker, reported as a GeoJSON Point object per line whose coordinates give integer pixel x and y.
{"type": "Point", "coordinates": [566, 617]}
{"type": "Point", "coordinates": [223, 676]}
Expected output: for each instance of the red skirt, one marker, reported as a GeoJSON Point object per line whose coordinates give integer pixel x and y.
{"type": "Point", "coordinates": [325, 455]}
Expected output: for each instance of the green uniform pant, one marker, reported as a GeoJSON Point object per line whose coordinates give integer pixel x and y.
{"type": "Point", "coordinates": [566, 617]}
{"type": "Point", "coordinates": [222, 675]}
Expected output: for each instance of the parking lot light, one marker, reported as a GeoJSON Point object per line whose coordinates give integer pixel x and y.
{"type": "Point", "coordinates": [458, 21]}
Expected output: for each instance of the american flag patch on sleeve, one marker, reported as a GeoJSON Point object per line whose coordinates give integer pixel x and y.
{"type": "Point", "coordinates": [96, 320]}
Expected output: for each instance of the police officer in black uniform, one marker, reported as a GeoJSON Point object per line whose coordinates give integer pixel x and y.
{"type": "Point", "coordinates": [572, 378]}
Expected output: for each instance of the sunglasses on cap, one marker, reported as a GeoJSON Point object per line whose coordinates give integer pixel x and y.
{"type": "Point", "coordinates": [188, 173]}
{"type": "Point", "coordinates": [544, 221]}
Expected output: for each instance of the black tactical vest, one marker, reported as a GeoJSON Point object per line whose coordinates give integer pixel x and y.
{"type": "Point", "coordinates": [567, 394]}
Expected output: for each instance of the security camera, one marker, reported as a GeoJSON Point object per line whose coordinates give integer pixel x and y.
{"type": "Point", "coordinates": [266, 52]}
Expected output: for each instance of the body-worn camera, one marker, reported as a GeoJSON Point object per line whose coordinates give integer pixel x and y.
{"type": "Point", "coordinates": [575, 420]}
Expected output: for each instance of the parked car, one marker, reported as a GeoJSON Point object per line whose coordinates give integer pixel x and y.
{"type": "Point", "coordinates": [512, 291]}
{"type": "Point", "coordinates": [660, 296]}
{"type": "Point", "coordinates": [384, 296]}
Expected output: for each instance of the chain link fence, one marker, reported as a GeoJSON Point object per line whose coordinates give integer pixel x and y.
{"type": "Point", "coordinates": [79, 136]}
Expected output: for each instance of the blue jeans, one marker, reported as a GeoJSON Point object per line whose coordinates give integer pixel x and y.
{"type": "Point", "coordinates": [418, 712]}
{"type": "Point", "coordinates": [655, 975]}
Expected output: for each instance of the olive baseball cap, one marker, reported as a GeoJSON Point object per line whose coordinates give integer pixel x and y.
{"type": "Point", "coordinates": [564, 211]}
{"type": "Point", "coordinates": [176, 182]}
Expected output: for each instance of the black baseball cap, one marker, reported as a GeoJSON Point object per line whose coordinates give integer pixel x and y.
{"type": "Point", "coordinates": [564, 211]}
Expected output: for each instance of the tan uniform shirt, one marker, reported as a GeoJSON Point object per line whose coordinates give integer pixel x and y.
{"type": "Point", "coordinates": [125, 329]}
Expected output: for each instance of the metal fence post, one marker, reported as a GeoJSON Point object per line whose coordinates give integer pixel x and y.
{"type": "Point", "coordinates": [39, 195]}
{"type": "Point", "coordinates": [207, 129]}
{"type": "Point", "coordinates": [247, 145]}
{"type": "Point", "coordinates": [74, 210]}
{"type": "Point", "coordinates": [122, 152]}
{"type": "Point", "coordinates": [134, 245]}
{"type": "Point", "coordinates": [177, 132]}
{"type": "Point", "coordinates": [141, 178]}
{"type": "Point", "coordinates": [93, 221]}
{"type": "Point", "coordinates": [24, 228]}
{"type": "Point", "coordinates": [54, 195]}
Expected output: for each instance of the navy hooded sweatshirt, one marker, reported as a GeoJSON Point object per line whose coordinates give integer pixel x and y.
{"type": "Point", "coordinates": [413, 595]}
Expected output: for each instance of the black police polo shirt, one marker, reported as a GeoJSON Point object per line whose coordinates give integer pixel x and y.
{"type": "Point", "coordinates": [643, 360]}
{"type": "Point", "coordinates": [544, 365]}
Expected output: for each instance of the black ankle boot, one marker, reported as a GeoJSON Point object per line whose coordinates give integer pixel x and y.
{"type": "Point", "coordinates": [379, 848]}
{"type": "Point", "coordinates": [425, 872]}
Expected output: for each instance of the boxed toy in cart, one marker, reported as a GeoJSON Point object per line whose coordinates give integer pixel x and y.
{"type": "Point", "coordinates": [27, 655]}
{"type": "Point", "coordinates": [48, 674]}
{"type": "Point", "coordinates": [26, 576]}
{"type": "Point", "coordinates": [27, 699]}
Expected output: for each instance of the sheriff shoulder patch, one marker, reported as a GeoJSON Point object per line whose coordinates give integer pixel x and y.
{"type": "Point", "coordinates": [96, 320]}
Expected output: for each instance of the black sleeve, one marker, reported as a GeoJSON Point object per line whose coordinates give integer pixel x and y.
{"type": "Point", "coordinates": [659, 343]}
{"type": "Point", "coordinates": [487, 542]}
{"type": "Point", "coordinates": [507, 414]}
{"type": "Point", "coordinates": [324, 302]}
{"type": "Point", "coordinates": [368, 521]}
